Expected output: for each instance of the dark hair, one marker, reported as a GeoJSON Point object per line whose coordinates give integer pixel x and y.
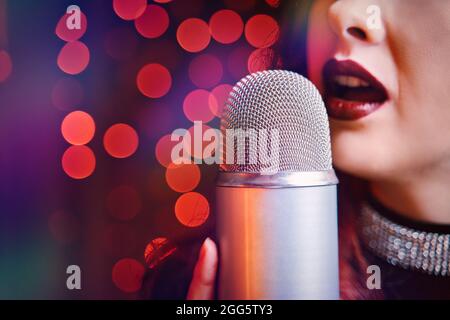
{"type": "Point", "coordinates": [170, 278]}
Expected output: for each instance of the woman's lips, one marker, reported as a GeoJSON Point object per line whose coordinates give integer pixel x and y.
{"type": "Point", "coordinates": [351, 92]}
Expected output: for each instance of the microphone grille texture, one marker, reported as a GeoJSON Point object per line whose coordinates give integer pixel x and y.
{"type": "Point", "coordinates": [287, 111]}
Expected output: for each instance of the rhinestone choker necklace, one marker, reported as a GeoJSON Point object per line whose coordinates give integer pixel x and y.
{"type": "Point", "coordinates": [408, 248]}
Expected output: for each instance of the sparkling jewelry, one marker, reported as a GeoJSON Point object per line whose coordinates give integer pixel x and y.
{"type": "Point", "coordinates": [411, 249]}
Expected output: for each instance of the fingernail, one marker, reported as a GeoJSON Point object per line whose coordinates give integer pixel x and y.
{"type": "Point", "coordinates": [203, 248]}
{"type": "Point", "coordinates": [207, 241]}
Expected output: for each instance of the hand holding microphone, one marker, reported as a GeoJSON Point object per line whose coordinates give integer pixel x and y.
{"type": "Point", "coordinates": [276, 195]}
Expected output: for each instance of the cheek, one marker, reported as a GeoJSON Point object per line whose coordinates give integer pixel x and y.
{"type": "Point", "coordinates": [368, 154]}
{"type": "Point", "coordinates": [371, 148]}
{"type": "Point", "coordinates": [321, 42]}
{"type": "Point", "coordinates": [390, 146]}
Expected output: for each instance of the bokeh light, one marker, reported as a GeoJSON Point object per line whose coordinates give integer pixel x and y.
{"type": "Point", "coordinates": [64, 227]}
{"type": "Point", "coordinates": [196, 106]}
{"type": "Point", "coordinates": [154, 80]}
{"type": "Point", "coordinates": [261, 31]}
{"type": "Point", "coordinates": [226, 26]}
{"type": "Point", "coordinates": [205, 71]}
{"type": "Point", "coordinates": [69, 35]}
{"type": "Point", "coordinates": [260, 60]}
{"type": "Point", "coordinates": [121, 43]}
{"type": "Point", "coordinates": [153, 23]}
{"type": "Point", "coordinates": [78, 162]}
{"type": "Point", "coordinates": [67, 94]}
{"type": "Point", "coordinates": [129, 9]}
{"type": "Point", "coordinates": [163, 150]}
{"type": "Point", "coordinates": [162, 1]}
{"type": "Point", "coordinates": [124, 202]}
{"type": "Point", "coordinates": [73, 58]}
{"type": "Point", "coordinates": [193, 35]}
{"type": "Point", "coordinates": [5, 65]}
{"type": "Point", "coordinates": [192, 209]}
{"type": "Point", "coordinates": [127, 275]}
{"type": "Point", "coordinates": [182, 177]}
{"type": "Point", "coordinates": [157, 250]}
{"type": "Point", "coordinates": [218, 98]}
{"type": "Point", "coordinates": [78, 128]}
{"type": "Point", "coordinates": [273, 3]}
{"type": "Point", "coordinates": [121, 141]}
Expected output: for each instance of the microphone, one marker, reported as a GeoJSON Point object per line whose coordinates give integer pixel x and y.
{"type": "Point", "coordinates": [276, 192]}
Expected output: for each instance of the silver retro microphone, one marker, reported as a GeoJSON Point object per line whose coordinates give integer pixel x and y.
{"type": "Point", "coordinates": [276, 192]}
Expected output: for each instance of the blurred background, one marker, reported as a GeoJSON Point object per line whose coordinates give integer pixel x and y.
{"type": "Point", "coordinates": [85, 123]}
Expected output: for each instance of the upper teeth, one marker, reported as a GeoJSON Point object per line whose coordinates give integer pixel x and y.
{"type": "Point", "coordinates": [350, 81]}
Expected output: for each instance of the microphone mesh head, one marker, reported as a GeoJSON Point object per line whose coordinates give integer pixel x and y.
{"type": "Point", "coordinates": [284, 101]}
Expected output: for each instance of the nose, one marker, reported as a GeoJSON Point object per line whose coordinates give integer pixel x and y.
{"type": "Point", "coordinates": [356, 22]}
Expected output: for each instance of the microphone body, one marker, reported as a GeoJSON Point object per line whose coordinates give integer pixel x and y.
{"type": "Point", "coordinates": [276, 192]}
{"type": "Point", "coordinates": [277, 242]}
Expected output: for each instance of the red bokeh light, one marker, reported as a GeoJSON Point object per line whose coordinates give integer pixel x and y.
{"type": "Point", "coordinates": [218, 98]}
{"type": "Point", "coordinates": [5, 65]}
{"type": "Point", "coordinates": [226, 26]}
{"type": "Point", "coordinates": [124, 203]}
{"type": "Point", "coordinates": [121, 141]}
{"type": "Point", "coordinates": [78, 162]}
{"type": "Point", "coordinates": [67, 34]}
{"type": "Point", "coordinates": [127, 275]}
{"type": "Point", "coordinates": [261, 31]}
{"type": "Point", "coordinates": [154, 80]}
{"type": "Point", "coordinates": [67, 94]}
{"type": "Point", "coordinates": [162, 1]}
{"type": "Point", "coordinates": [193, 35]}
{"type": "Point", "coordinates": [78, 128]}
{"type": "Point", "coordinates": [273, 3]}
{"type": "Point", "coordinates": [260, 60]}
{"type": "Point", "coordinates": [192, 209]}
{"type": "Point", "coordinates": [73, 58]}
{"type": "Point", "coordinates": [157, 250]}
{"type": "Point", "coordinates": [182, 177]}
{"type": "Point", "coordinates": [129, 9]}
{"type": "Point", "coordinates": [153, 23]}
{"type": "Point", "coordinates": [163, 150]}
{"type": "Point", "coordinates": [196, 106]}
{"type": "Point", "coordinates": [205, 71]}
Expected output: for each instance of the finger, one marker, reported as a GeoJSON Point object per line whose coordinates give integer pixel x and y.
{"type": "Point", "coordinates": [203, 279]}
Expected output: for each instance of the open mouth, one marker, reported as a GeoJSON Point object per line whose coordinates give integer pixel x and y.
{"type": "Point", "coordinates": [351, 92]}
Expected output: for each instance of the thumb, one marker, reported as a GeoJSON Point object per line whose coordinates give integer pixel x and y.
{"type": "Point", "coordinates": [202, 284]}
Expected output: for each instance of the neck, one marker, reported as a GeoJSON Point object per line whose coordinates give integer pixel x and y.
{"type": "Point", "coordinates": [424, 196]}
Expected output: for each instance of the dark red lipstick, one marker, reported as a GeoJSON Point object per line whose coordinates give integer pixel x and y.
{"type": "Point", "coordinates": [351, 92]}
